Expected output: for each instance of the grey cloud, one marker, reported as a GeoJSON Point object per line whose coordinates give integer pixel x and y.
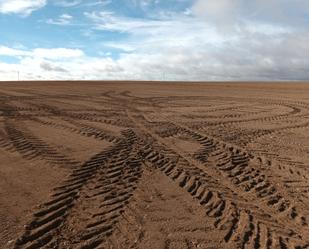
{"type": "Point", "coordinates": [51, 68]}
{"type": "Point", "coordinates": [227, 13]}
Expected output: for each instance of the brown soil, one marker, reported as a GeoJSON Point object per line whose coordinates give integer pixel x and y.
{"type": "Point", "coordinates": [154, 165]}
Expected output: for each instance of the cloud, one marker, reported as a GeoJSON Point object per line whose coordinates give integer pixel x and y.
{"type": "Point", "coordinates": [57, 53]}
{"type": "Point", "coordinates": [22, 7]}
{"type": "Point", "coordinates": [13, 52]}
{"type": "Point", "coordinates": [80, 3]}
{"type": "Point", "coordinates": [64, 19]}
{"type": "Point", "coordinates": [194, 57]}
{"type": "Point", "coordinates": [227, 13]}
{"type": "Point", "coordinates": [67, 3]}
{"type": "Point", "coordinates": [211, 40]}
{"type": "Point", "coordinates": [252, 56]}
{"type": "Point", "coordinates": [97, 3]}
{"type": "Point", "coordinates": [50, 67]}
{"type": "Point", "coordinates": [51, 53]}
{"type": "Point", "coordinates": [107, 20]}
{"type": "Point", "coordinates": [144, 4]}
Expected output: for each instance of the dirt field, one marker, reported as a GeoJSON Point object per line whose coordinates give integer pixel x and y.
{"type": "Point", "coordinates": [153, 165]}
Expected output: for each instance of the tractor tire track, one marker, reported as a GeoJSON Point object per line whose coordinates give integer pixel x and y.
{"type": "Point", "coordinates": [84, 130]}
{"type": "Point", "coordinates": [232, 212]}
{"type": "Point", "coordinates": [31, 147]}
{"type": "Point", "coordinates": [83, 211]}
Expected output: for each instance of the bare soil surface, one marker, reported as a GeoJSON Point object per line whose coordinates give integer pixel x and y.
{"type": "Point", "coordinates": [154, 165]}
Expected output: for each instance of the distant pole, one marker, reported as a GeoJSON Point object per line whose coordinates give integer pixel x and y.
{"type": "Point", "coordinates": [18, 75]}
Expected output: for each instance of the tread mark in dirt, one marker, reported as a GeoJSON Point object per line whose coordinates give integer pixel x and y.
{"type": "Point", "coordinates": [239, 222]}
{"type": "Point", "coordinates": [242, 221]}
{"type": "Point", "coordinates": [101, 188]}
{"type": "Point", "coordinates": [84, 210]}
{"type": "Point", "coordinates": [30, 147]}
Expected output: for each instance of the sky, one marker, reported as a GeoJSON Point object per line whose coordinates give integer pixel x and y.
{"type": "Point", "coordinates": [187, 40]}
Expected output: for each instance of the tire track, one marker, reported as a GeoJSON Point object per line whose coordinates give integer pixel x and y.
{"type": "Point", "coordinates": [243, 203]}
{"type": "Point", "coordinates": [84, 130]}
{"type": "Point", "coordinates": [83, 211]}
{"type": "Point", "coordinates": [247, 173]}
{"type": "Point", "coordinates": [232, 212]}
{"type": "Point", "coordinates": [296, 112]}
{"type": "Point", "coordinates": [241, 137]}
{"type": "Point", "coordinates": [31, 147]}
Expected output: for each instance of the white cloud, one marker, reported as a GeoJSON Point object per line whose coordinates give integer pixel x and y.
{"type": "Point", "coordinates": [175, 60]}
{"type": "Point", "coordinates": [97, 3]}
{"type": "Point", "coordinates": [213, 40]}
{"type": "Point", "coordinates": [252, 56]}
{"type": "Point", "coordinates": [67, 3]}
{"type": "Point", "coordinates": [80, 3]}
{"type": "Point", "coordinates": [64, 19]}
{"type": "Point", "coordinates": [52, 53]}
{"type": "Point", "coordinates": [23, 7]}
{"type": "Point", "coordinates": [107, 20]}
{"type": "Point", "coordinates": [13, 52]}
{"type": "Point", "coordinates": [57, 53]}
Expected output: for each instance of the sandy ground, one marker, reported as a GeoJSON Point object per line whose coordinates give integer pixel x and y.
{"type": "Point", "coordinates": [154, 165]}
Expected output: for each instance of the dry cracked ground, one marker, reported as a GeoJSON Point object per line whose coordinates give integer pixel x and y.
{"type": "Point", "coordinates": [153, 165]}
